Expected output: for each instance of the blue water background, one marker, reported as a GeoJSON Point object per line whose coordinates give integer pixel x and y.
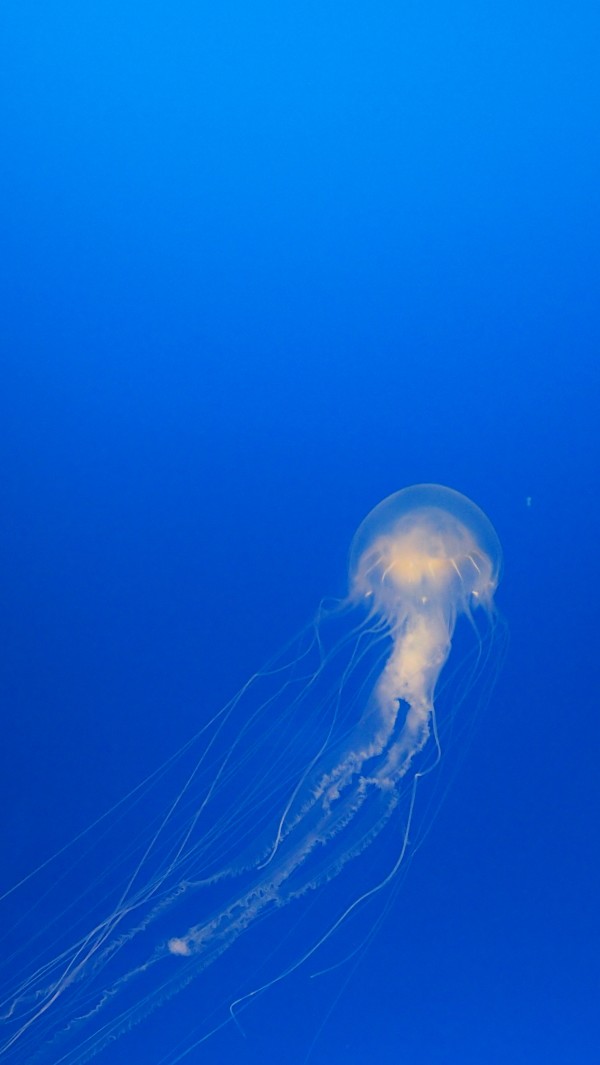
{"type": "Point", "coordinates": [261, 265]}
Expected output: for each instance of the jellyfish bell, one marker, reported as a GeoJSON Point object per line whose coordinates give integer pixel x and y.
{"type": "Point", "coordinates": [425, 545]}
{"type": "Point", "coordinates": [317, 757]}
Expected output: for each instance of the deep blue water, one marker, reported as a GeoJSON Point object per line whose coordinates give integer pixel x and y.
{"type": "Point", "coordinates": [262, 265]}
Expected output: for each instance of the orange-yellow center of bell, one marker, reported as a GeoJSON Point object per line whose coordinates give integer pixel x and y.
{"type": "Point", "coordinates": [415, 567]}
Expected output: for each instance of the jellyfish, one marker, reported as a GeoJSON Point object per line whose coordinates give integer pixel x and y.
{"type": "Point", "coordinates": [269, 809]}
